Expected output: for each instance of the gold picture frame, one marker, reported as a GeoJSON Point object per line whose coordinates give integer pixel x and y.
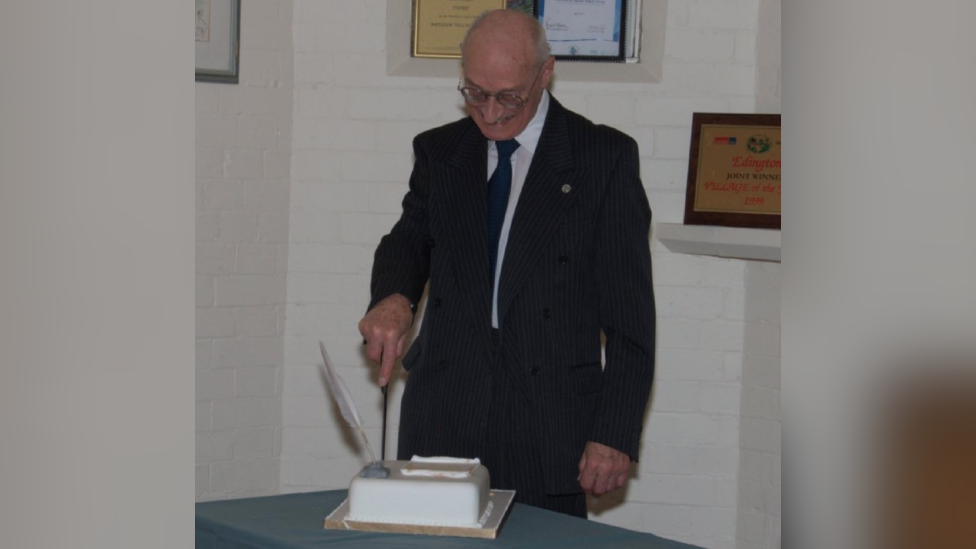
{"type": "Point", "coordinates": [439, 25]}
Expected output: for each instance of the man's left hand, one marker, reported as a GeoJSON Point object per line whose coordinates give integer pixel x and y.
{"type": "Point", "coordinates": [602, 469]}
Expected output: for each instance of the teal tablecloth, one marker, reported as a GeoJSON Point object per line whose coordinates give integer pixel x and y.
{"type": "Point", "coordinates": [295, 521]}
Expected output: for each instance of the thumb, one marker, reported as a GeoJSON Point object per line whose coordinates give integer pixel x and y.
{"type": "Point", "coordinates": [400, 344]}
{"type": "Point", "coordinates": [582, 466]}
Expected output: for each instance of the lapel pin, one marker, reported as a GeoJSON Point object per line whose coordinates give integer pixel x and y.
{"type": "Point", "coordinates": [567, 188]}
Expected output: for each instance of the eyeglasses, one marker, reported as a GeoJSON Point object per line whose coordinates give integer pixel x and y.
{"type": "Point", "coordinates": [509, 100]}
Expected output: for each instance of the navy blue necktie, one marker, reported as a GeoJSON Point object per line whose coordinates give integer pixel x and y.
{"type": "Point", "coordinates": [499, 188]}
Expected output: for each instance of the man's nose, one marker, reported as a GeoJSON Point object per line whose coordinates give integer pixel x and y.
{"type": "Point", "coordinates": [492, 110]}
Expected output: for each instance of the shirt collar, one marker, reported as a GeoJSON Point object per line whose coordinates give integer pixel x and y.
{"type": "Point", "coordinates": [529, 138]}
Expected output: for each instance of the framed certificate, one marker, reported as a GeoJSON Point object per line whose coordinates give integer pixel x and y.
{"type": "Point", "coordinates": [585, 30]}
{"type": "Point", "coordinates": [439, 25]}
{"type": "Point", "coordinates": [218, 32]}
{"type": "Point", "coordinates": [734, 171]}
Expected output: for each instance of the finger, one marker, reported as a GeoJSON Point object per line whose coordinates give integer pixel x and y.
{"type": "Point", "coordinates": [599, 487]}
{"type": "Point", "coordinates": [579, 477]}
{"type": "Point", "coordinates": [388, 360]}
{"type": "Point", "coordinates": [608, 481]}
{"type": "Point", "coordinates": [621, 480]}
{"type": "Point", "coordinates": [386, 371]}
{"type": "Point", "coordinates": [595, 489]}
{"type": "Point", "coordinates": [611, 478]}
{"type": "Point", "coordinates": [596, 474]}
{"type": "Point", "coordinates": [374, 349]}
{"type": "Point", "coordinates": [587, 480]}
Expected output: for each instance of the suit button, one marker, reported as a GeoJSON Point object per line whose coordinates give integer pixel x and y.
{"type": "Point", "coordinates": [534, 371]}
{"type": "Point", "coordinates": [431, 242]}
{"type": "Point", "coordinates": [441, 363]}
{"type": "Point", "coordinates": [437, 302]}
{"type": "Point", "coordinates": [563, 259]}
{"type": "Point", "coordinates": [546, 313]}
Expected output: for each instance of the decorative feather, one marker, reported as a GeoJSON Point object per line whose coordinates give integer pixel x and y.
{"type": "Point", "coordinates": [344, 398]}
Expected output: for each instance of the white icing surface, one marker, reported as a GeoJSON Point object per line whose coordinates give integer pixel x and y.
{"type": "Point", "coordinates": [435, 500]}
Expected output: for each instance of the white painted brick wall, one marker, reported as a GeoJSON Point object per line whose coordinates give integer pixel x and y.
{"type": "Point", "coordinates": [768, 57]}
{"type": "Point", "coordinates": [243, 164]}
{"type": "Point", "coordinates": [759, 519]}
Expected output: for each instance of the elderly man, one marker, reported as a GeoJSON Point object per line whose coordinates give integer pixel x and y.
{"type": "Point", "coordinates": [530, 225]}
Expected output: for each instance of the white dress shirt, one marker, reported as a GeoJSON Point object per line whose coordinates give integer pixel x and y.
{"type": "Point", "coordinates": [521, 160]}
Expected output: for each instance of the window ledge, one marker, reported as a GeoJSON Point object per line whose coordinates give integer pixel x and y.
{"type": "Point", "coordinates": [734, 242]}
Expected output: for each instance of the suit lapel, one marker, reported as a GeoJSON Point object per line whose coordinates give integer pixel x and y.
{"type": "Point", "coordinates": [550, 188]}
{"type": "Point", "coordinates": [463, 181]}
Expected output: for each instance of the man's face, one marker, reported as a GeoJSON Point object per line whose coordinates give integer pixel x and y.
{"type": "Point", "coordinates": [504, 67]}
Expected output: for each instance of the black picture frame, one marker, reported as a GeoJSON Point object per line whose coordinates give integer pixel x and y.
{"type": "Point", "coordinates": [619, 55]}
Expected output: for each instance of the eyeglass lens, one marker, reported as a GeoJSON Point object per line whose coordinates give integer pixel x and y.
{"type": "Point", "coordinates": [506, 99]}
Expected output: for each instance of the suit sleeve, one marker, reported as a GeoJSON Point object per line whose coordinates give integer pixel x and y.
{"type": "Point", "coordinates": [401, 264]}
{"type": "Point", "coordinates": [626, 306]}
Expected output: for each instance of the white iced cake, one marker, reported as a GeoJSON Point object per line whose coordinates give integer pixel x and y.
{"type": "Point", "coordinates": [425, 491]}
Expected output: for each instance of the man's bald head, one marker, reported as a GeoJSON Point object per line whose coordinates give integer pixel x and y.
{"type": "Point", "coordinates": [512, 28]}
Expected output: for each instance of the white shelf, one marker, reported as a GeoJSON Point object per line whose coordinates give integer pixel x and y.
{"type": "Point", "coordinates": [734, 242]}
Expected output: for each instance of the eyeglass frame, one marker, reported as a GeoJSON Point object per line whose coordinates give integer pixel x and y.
{"type": "Point", "coordinates": [522, 100]}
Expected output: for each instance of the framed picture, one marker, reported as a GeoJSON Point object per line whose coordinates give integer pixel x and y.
{"type": "Point", "coordinates": [591, 30]}
{"type": "Point", "coordinates": [439, 25]}
{"type": "Point", "coordinates": [734, 170]}
{"type": "Point", "coordinates": [218, 32]}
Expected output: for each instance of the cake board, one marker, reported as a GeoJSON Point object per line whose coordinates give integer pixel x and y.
{"type": "Point", "coordinates": [501, 501]}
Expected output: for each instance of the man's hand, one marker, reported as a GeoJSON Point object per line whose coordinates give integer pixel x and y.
{"type": "Point", "coordinates": [602, 469]}
{"type": "Point", "coordinates": [384, 329]}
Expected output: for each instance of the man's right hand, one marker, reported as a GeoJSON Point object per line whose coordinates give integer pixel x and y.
{"type": "Point", "coordinates": [384, 329]}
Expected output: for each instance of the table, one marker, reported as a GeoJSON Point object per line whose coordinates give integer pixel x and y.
{"type": "Point", "coordinates": [294, 521]}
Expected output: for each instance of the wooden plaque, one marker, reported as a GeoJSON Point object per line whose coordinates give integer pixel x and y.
{"type": "Point", "coordinates": [734, 171]}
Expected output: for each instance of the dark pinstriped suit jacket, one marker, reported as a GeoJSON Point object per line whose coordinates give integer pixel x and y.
{"type": "Point", "coordinates": [577, 262]}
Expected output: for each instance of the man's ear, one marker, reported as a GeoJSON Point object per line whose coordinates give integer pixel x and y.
{"type": "Point", "coordinates": [547, 71]}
